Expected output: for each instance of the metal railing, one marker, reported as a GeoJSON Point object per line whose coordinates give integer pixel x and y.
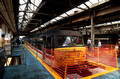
{"type": "Point", "coordinates": [15, 50]}
{"type": "Point", "coordinates": [2, 62]}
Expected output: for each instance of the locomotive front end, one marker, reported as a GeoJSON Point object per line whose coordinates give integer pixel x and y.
{"type": "Point", "coordinates": [69, 56]}
{"type": "Point", "coordinates": [70, 51]}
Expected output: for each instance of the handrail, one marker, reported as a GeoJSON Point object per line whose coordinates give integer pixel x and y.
{"type": "Point", "coordinates": [1, 50]}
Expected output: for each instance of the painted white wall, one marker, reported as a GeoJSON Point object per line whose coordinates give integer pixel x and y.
{"type": "Point", "coordinates": [8, 35]}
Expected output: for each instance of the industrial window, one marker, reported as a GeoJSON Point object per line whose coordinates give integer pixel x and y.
{"type": "Point", "coordinates": [77, 41]}
{"type": "Point", "coordinates": [40, 43]}
{"type": "Point", "coordinates": [48, 43]}
{"type": "Point", "coordinates": [62, 41]}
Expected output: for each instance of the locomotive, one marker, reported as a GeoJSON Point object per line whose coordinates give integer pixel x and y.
{"type": "Point", "coordinates": [58, 47]}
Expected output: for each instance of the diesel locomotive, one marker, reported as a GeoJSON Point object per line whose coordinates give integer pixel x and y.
{"type": "Point", "coordinates": [56, 47]}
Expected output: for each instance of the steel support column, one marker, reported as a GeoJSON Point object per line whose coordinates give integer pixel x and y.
{"type": "Point", "coordinates": [92, 32]}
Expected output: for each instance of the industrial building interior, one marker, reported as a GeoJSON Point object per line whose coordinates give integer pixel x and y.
{"type": "Point", "coordinates": [32, 33]}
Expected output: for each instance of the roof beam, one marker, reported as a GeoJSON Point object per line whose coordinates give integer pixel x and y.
{"type": "Point", "coordinates": [61, 3]}
{"type": "Point", "coordinates": [38, 13]}
{"type": "Point", "coordinates": [32, 23]}
{"type": "Point", "coordinates": [35, 19]}
{"type": "Point", "coordinates": [100, 13]}
{"type": "Point", "coordinates": [103, 12]}
{"type": "Point", "coordinates": [109, 18]}
{"type": "Point", "coordinates": [109, 10]}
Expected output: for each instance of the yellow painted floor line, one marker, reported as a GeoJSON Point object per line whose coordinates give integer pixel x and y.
{"type": "Point", "coordinates": [53, 72]}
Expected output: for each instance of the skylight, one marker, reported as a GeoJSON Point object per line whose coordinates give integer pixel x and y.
{"type": "Point", "coordinates": [70, 12]}
{"type": "Point", "coordinates": [22, 7]}
{"type": "Point", "coordinates": [21, 13]}
{"type": "Point", "coordinates": [46, 23]}
{"type": "Point", "coordinates": [64, 15]}
{"type": "Point", "coordinates": [108, 23]}
{"type": "Point", "coordinates": [88, 3]}
{"type": "Point", "coordinates": [22, 2]}
{"type": "Point", "coordinates": [94, 1]}
{"type": "Point", "coordinates": [116, 21]}
{"type": "Point", "coordinates": [58, 18]}
{"type": "Point", "coordinates": [42, 26]}
{"type": "Point", "coordinates": [82, 6]}
{"type": "Point", "coordinates": [35, 29]}
{"type": "Point", "coordinates": [77, 9]}
{"type": "Point", "coordinates": [26, 10]}
{"type": "Point", "coordinates": [52, 21]}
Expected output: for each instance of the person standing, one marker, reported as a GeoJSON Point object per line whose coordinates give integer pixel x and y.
{"type": "Point", "coordinates": [67, 41]}
{"type": "Point", "coordinates": [88, 42]}
{"type": "Point", "coordinates": [99, 44]}
{"type": "Point", "coordinates": [116, 47]}
{"type": "Point", "coordinates": [17, 41]}
{"type": "Point", "coordinates": [2, 41]}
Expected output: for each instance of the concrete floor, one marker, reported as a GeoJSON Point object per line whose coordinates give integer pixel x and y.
{"type": "Point", "coordinates": [111, 75]}
{"type": "Point", "coordinates": [32, 70]}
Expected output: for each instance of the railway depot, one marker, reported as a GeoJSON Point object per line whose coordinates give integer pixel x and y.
{"type": "Point", "coordinates": [59, 39]}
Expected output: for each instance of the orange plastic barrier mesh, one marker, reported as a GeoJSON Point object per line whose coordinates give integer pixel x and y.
{"type": "Point", "coordinates": [73, 63]}
{"type": "Point", "coordinates": [48, 57]}
{"type": "Point", "coordinates": [71, 66]}
{"type": "Point", "coordinates": [105, 55]}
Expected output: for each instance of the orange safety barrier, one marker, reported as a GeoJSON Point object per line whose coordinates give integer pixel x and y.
{"type": "Point", "coordinates": [74, 67]}
{"type": "Point", "coordinates": [106, 55]}
{"type": "Point", "coordinates": [68, 60]}
{"type": "Point", "coordinates": [48, 57]}
{"type": "Point", "coordinates": [35, 50]}
{"type": "Point", "coordinates": [79, 62]}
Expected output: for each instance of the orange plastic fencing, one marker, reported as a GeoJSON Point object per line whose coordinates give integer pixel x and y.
{"type": "Point", "coordinates": [48, 57]}
{"type": "Point", "coordinates": [72, 66]}
{"type": "Point", "coordinates": [105, 55]}
{"type": "Point", "coordinates": [69, 68]}
{"type": "Point", "coordinates": [92, 54]}
{"type": "Point", "coordinates": [108, 55]}
{"type": "Point", "coordinates": [73, 63]}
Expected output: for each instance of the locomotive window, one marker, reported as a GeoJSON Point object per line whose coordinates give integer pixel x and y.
{"type": "Point", "coordinates": [63, 41]}
{"type": "Point", "coordinates": [77, 41]}
{"type": "Point", "coordinates": [48, 44]}
{"type": "Point", "coordinates": [40, 42]}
